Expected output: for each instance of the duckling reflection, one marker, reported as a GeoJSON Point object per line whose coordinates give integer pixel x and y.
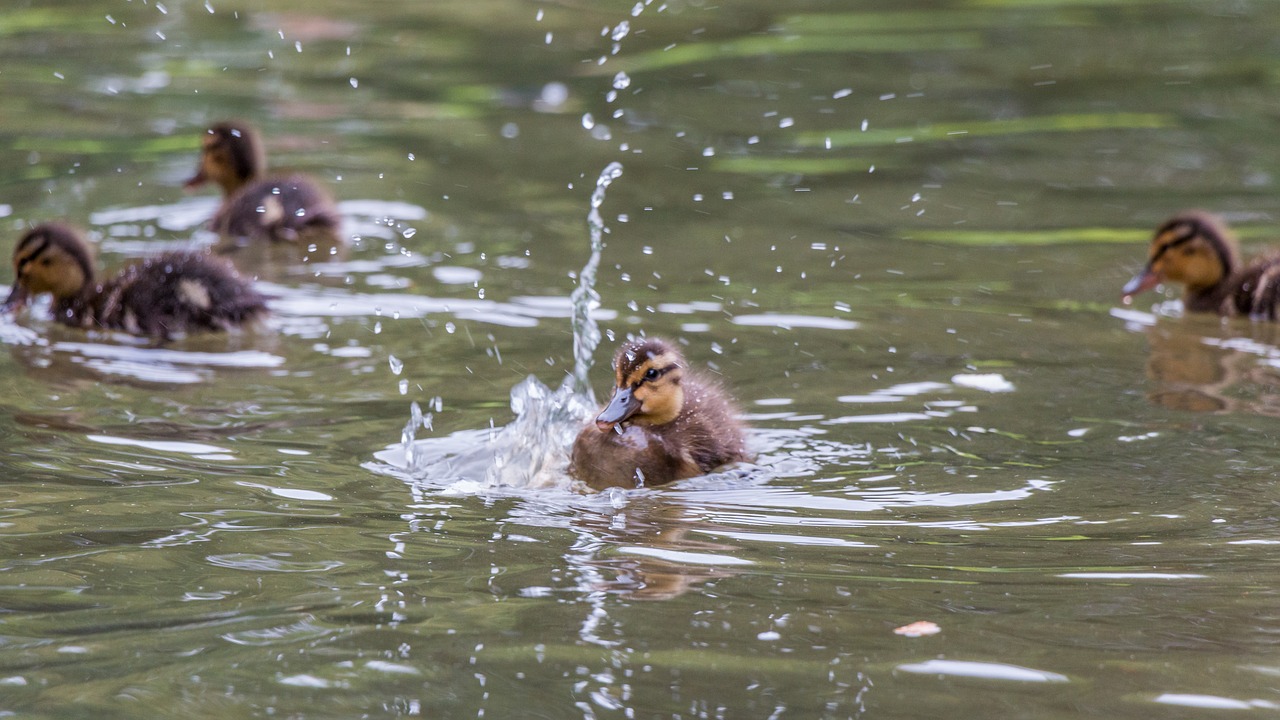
{"type": "Point", "coordinates": [258, 207]}
{"type": "Point", "coordinates": [1201, 373]}
{"type": "Point", "coordinates": [659, 536]}
{"type": "Point", "coordinates": [664, 423]}
{"type": "Point", "coordinates": [163, 296]}
{"type": "Point", "coordinates": [1199, 251]}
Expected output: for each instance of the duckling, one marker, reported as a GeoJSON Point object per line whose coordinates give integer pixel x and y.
{"type": "Point", "coordinates": [662, 424]}
{"type": "Point", "coordinates": [169, 294]}
{"type": "Point", "coordinates": [1197, 249]}
{"type": "Point", "coordinates": [289, 208]}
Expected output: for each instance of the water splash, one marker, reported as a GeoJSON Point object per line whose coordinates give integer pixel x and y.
{"type": "Point", "coordinates": [586, 334]}
{"type": "Point", "coordinates": [533, 450]}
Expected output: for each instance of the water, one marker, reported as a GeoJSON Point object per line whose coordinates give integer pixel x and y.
{"type": "Point", "coordinates": [897, 234]}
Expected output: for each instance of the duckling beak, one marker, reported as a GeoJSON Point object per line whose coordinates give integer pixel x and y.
{"type": "Point", "coordinates": [623, 405]}
{"type": "Point", "coordinates": [196, 180]}
{"type": "Point", "coordinates": [1141, 282]}
{"type": "Point", "coordinates": [17, 298]}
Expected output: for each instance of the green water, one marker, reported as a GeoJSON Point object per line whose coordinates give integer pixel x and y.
{"type": "Point", "coordinates": [897, 231]}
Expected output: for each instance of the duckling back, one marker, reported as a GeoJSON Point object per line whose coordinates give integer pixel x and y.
{"type": "Point", "coordinates": [1256, 290]}
{"type": "Point", "coordinates": [174, 293]}
{"type": "Point", "coordinates": [284, 209]}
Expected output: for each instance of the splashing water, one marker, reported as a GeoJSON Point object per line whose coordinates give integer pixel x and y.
{"type": "Point", "coordinates": [533, 450]}
{"type": "Point", "coordinates": [586, 334]}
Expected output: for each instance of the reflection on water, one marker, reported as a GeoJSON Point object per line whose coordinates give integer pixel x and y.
{"type": "Point", "coordinates": [1206, 365]}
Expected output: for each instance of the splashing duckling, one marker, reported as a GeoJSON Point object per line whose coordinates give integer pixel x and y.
{"type": "Point", "coordinates": [162, 296]}
{"type": "Point", "coordinates": [662, 424]}
{"type": "Point", "coordinates": [289, 208]}
{"type": "Point", "coordinates": [1198, 250]}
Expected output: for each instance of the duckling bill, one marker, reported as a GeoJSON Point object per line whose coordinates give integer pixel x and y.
{"type": "Point", "coordinates": [1198, 250]}
{"type": "Point", "coordinates": [170, 294]}
{"type": "Point", "coordinates": [257, 206]}
{"type": "Point", "coordinates": [663, 423]}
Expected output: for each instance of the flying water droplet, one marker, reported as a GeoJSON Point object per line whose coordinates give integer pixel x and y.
{"type": "Point", "coordinates": [396, 364]}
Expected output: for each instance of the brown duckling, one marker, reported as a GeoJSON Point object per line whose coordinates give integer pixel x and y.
{"type": "Point", "coordinates": [1198, 250]}
{"type": "Point", "coordinates": [662, 424]}
{"type": "Point", "coordinates": [162, 296]}
{"type": "Point", "coordinates": [255, 206]}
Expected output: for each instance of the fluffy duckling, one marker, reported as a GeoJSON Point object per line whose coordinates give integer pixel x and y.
{"type": "Point", "coordinates": [255, 206]}
{"type": "Point", "coordinates": [662, 424]}
{"type": "Point", "coordinates": [160, 297]}
{"type": "Point", "coordinates": [1198, 250]}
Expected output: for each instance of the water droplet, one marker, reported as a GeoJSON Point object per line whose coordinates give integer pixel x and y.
{"type": "Point", "coordinates": [396, 365]}
{"type": "Point", "coordinates": [621, 81]}
{"type": "Point", "coordinates": [588, 121]}
{"type": "Point", "coordinates": [404, 387]}
{"type": "Point", "coordinates": [620, 31]}
{"type": "Point", "coordinates": [554, 94]}
{"type": "Point", "coordinates": [355, 83]}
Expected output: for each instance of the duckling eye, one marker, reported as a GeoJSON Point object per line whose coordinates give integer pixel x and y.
{"type": "Point", "coordinates": [651, 374]}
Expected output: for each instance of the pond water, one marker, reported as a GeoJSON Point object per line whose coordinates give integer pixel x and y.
{"type": "Point", "coordinates": [895, 231]}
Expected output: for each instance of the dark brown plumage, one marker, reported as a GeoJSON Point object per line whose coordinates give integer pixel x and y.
{"type": "Point", "coordinates": [255, 206]}
{"type": "Point", "coordinates": [1198, 250]}
{"type": "Point", "coordinates": [162, 296]}
{"type": "Point", "coordinates": [663, 423]}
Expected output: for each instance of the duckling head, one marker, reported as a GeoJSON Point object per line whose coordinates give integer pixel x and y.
{"type": "Point", "coordinates": [1194, 248]}
{"type": "Point", "coordinates": [50, 258]}
{"type": "Point", "coordinates": [231, 154]}
{"type": "Point", "coordinates": [647, 389]}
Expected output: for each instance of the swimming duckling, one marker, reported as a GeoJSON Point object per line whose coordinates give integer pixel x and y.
{"type": "Point", "coordinates": [169, 294]}
{"type": "Point", "coordinates": [1198, 250]}
{"type": "Point", "coordinates": [290, 208]}
{"type": "Point", "coordinates": [662, 424]}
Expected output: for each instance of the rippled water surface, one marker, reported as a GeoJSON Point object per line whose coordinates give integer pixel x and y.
{"type": "Point", "coordinates": [895, 231]}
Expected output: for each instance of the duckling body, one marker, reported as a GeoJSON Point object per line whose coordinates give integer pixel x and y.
{"type": "Point", "coordinates": [256, 206]}
{"type": "Point", "coordinates": [662, 424]}
{"type": "Point", "coordinates": [1198, 250]}
{"type": "Point", "coordinates": [169, 294]}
